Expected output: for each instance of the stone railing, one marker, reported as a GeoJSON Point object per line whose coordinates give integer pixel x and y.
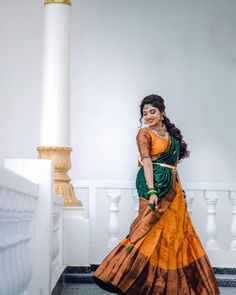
{"type": "Point", "coordinates": [111, 206]}
{"type": "Point", "coordinates": [30, 228]}
{"type": "Point", "coordinates": [18, 198]}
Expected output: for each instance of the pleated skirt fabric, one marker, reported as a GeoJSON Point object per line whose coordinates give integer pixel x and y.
{"type": "Point", "coordinates": [167, 256]}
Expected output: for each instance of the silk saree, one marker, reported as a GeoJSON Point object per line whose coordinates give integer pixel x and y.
{"type": "Point", "coordinates": [162, 254]}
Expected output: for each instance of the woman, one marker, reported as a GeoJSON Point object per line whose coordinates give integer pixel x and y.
{"type": "Point", "coordinates": [162, 253]}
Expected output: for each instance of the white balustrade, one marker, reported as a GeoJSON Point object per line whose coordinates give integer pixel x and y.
{"type": "Point", "coordinates": [136, 202]}
{"type": "Point", "coordinates": [232, 197]}
{"type": "Point", "coordinates": [211, 228]}
{"type": "Point", "coordinates": [114, 229]}
{"type": "Point", "coordinates": [17, 207]}
{"type": "Point", "coordinates": [206, 192]}
{"type": "Point", "coordinates": [56, 232]}
{"type": "Point", "coordinates": [30, 228]}
{"type": "Point", "coordinates": [190, 194]}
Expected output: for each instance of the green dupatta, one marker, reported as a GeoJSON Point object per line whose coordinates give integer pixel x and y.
{"type": "Point", "coordinates": [163, 176]}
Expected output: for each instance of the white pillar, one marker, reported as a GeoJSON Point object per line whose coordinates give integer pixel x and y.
{"type": "Point", "coordinates": [232, 197]}
{"type": "Point", "coordinates": [55, 105]}
{"type": "Point", "coordinates": [114, 228]}
{"type": "Point", "coordinates": [211, 227]}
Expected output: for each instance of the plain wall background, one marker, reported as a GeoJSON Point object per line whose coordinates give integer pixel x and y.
{"type": "Point", "coordinates": [125, 50]}
{"type": "Point", "coordinates": [21, 33]}
{"type": "Point", "coordinates": [122, 51]}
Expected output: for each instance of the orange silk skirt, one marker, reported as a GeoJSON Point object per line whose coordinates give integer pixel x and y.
{"type": "Point", "coordinates": [166, 256]}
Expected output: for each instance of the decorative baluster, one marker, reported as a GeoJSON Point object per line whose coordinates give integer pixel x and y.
{"type": "Point", "coordinates": [27, 237]}
{"type": "Point", "coordinates": [55, 235]}
{"type": "Point", "coordinates": [136, 202]}
{"type": "Point", "coordinates": [114, 229]}
{"type": "Point", "coordinates": [189, 199]}
{"type": "Point", "coordinates": [22, 244]}
{"type": "Point", "coordinates": [13, 242]}
{"type": "Point", "coordinates": [8, 242]}
{"type": "Point", "coordinates": [232, 197]}
{"type": "Point", "coordinates": [211, 228]}
{"type": "Point", "coordinates": [3, 276]}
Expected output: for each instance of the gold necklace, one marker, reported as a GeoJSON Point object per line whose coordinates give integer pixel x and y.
{"type": "Point", "coordinates": [161, 131]}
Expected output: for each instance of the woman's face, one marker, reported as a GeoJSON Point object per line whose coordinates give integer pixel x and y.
{"type": "Point", "coordinates": [152, 116]}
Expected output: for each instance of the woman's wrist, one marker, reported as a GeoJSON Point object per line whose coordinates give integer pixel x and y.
{"type": "Point", "coordinates": [151, 191]}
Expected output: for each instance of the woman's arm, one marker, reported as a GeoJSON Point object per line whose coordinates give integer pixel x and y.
{"type": "Point", "coordinates": [144, 145]}
{"type": "Point", "coordinates": [148, 173]}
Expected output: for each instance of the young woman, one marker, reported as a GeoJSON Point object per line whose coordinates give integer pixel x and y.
{"type": "Point", "coordinates": [162, 253]}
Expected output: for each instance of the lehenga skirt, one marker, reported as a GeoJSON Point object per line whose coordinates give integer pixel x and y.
{"type": "Point", "coordinates": [161, 255]}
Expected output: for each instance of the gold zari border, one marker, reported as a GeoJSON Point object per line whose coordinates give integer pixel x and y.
{"type": "Point", "coordinates": [67, 2]}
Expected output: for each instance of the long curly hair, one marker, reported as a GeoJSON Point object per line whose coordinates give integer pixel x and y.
{"type": "Point", "coordinates": [158, 102]}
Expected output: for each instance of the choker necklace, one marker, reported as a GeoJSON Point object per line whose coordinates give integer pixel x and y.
{"type": "Point", "coordinates": [161, 131]}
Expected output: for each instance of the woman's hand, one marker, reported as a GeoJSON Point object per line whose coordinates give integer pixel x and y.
{"type": "Point", "coordinates": [153, 200]}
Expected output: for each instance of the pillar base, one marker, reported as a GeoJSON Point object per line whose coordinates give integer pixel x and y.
{"type": "Point", "coordinates": [62, 164]}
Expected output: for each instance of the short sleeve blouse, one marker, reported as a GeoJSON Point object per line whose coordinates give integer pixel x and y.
{"type": "Point", "coordinates": [143, 139]}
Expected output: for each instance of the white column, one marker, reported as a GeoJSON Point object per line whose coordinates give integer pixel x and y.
{"type": "Point", "coordinates": [55, 105]}
{"type": "Point", "coordinates": [232, 197]}
{"type": "Point", "coordinates": [114, 228]}
{"type": "Point", "coordinates": [211, 227]}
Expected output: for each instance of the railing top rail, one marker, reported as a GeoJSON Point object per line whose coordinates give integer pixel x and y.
{"type": "Point", "coordinates": [128, 184]}
{"type": "Point", "coordinates": [15, 182]}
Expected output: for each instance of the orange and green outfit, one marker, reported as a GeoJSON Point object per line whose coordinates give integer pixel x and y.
{"type": "Point", "coordinates": [162, 254]}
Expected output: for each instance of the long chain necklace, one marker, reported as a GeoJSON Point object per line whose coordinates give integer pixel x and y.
{"type": "Point", "coordinates": [161, 131]}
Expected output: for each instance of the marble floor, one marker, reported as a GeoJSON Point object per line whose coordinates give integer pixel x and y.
{"type": "Point", "coordinates": [92, 289]}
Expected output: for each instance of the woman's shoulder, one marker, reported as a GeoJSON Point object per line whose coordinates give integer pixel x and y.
{"type": "Point", "coordinates": [143, 132]}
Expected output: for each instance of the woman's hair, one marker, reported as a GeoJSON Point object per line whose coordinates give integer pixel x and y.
{"type": "Point", "coordinates": [158, 102]}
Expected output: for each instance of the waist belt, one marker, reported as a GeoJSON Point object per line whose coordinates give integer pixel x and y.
{"type": "Point", "coordinates": [174, 169]}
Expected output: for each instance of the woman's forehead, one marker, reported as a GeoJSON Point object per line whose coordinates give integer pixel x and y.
{"type": "Point", "coordinates": [148, 106]}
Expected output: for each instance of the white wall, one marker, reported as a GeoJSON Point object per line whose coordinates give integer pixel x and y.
{"type": "Point", "coordinates": [121, 51]}
{"type": "Point", "coordinates": [21, 33]}
{"type": "Point", "coordinates": [124, 50]}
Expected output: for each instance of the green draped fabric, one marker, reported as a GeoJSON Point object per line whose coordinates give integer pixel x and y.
{"type": "Point", "coordinates": [163, 176]}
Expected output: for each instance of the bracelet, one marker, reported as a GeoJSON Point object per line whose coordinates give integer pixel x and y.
{"type": "Point", "coordinates": [152, 193]}
{"type": "Point", "coordinates": [150, 190]}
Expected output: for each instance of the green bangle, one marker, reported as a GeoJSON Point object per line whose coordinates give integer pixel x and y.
{"type": "Point", "coordinates": [151, 188]}
{"type": "Point", "coordinates": [152, 193]}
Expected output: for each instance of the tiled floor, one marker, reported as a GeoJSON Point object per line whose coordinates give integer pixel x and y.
{"type": "Point", "coordinates": [92, 289]}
